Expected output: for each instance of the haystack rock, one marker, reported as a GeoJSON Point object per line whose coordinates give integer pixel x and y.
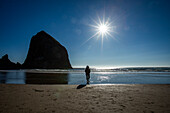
{"type": "Point", "coordinates": [46, 53]}
{"type": "Point", "coordinates": [5, 63]}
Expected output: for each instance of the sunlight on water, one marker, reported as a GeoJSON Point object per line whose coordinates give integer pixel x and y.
{"type": "Point", "coordinates": [103, 78]}
{"type": "Point", "coordinates": [77, 76]}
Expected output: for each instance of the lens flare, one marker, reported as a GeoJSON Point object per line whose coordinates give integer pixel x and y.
{"type": "Point", "coordinates": [103, 29]}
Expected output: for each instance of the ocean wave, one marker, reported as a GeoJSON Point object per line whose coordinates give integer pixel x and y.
{"type": "Point", "coordinates": [141, 70]}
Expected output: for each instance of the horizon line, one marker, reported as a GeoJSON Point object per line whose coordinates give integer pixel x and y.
{"type": "Point", "coordinates": [113, 67]}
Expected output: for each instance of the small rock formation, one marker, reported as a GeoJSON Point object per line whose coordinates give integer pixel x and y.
{"type": "Point", "coordinates": [5, 63]}
{"type": "Point", "coordinates": [46, 53]}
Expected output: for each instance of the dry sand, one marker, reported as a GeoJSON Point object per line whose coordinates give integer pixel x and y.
{"type": "Point", "coordinates": [90, 98]}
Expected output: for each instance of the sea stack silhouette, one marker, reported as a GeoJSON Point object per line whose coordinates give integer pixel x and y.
{"type": "Point", "coordinates": [5, 63]}
{"type": "Point", "coordinates": [46, 53]}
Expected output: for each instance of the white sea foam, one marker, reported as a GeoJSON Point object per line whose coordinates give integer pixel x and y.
{"type": "Point", "coordinates": [132, 70]}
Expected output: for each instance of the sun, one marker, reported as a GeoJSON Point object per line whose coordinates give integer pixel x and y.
{"type": "Point", "coordinates": [103, 29]}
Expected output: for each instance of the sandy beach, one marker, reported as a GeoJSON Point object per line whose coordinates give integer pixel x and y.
{"type": "Point", "coordinates": [81, 99]}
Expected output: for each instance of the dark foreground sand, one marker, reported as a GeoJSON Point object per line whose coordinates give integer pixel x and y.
{"type": "Point", "coordinates": [90, 98]}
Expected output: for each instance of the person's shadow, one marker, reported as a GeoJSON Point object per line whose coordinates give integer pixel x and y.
{"type": "Point", "coordinates": [81, 86]}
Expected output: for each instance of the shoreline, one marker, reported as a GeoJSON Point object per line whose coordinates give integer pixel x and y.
{"type": "Point", "coordinates": [97, 98]}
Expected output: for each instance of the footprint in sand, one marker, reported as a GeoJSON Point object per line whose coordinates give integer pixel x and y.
{"type": "Point", "coordinates": [123, 106]}
{"type": "Point", "coordinates": [130, 99]}
{"type": "Point", "coordinates": [55, 99]}
{"type": "Point", "coordinates": [97, 102]}
{"type": "Point", "coordinates": [37, 90]}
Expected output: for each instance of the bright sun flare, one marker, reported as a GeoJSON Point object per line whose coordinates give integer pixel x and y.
{"type": "Point", "coordinates": [103, 29]}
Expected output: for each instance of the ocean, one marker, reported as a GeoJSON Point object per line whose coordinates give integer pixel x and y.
{"type": "Point", "coordinates": [76, 76]}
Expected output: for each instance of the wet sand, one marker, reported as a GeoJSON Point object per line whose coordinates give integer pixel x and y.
{"type": "Point", "coordinates": [81, 99]}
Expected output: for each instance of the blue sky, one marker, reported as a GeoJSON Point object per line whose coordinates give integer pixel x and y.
{"type": "Point", "coordinates": [142, 29]}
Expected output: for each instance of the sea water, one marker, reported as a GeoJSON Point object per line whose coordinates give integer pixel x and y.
{"type": "Point", "coordinates": [153, 75]}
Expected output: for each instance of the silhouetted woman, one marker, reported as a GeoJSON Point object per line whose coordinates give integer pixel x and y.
{"type": "Point", "coordinates": [87, 70]}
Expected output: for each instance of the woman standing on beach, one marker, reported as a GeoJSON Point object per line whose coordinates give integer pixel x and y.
{"type": "Point", "coordinates": [87, 70]}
